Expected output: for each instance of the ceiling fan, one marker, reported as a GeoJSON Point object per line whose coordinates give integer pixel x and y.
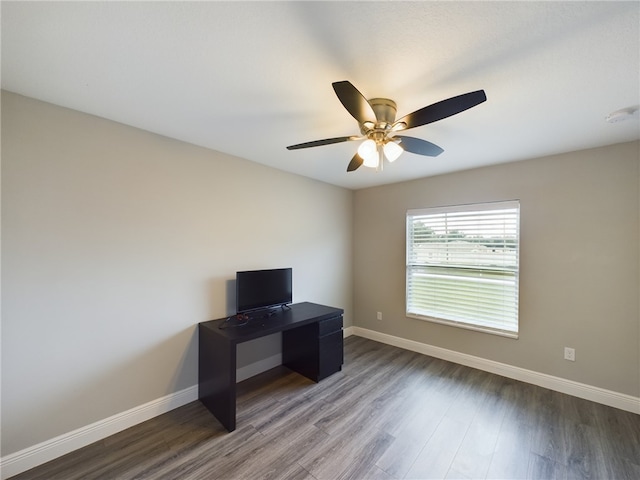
{"type": "Point", "coordinates": [378, 125]}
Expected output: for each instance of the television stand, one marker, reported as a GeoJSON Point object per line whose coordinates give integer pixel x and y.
{"type": "Point", "coordinates": [312, 345]}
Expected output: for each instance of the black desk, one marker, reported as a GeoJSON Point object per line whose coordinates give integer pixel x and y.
{"type": "Point", "coordinates": [312, 345]}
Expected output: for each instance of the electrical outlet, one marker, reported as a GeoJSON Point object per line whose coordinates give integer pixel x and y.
{"type": "Point", "coordinates": [570, 354]}
{"type": "Point", "coordinates": [379, 315]}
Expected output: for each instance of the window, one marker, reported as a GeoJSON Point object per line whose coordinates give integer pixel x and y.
{"type": "Point", "coordinates": [462, 266]}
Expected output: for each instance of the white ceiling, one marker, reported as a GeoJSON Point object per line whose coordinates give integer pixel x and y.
{"type": "Point", "coordinates": [250, 78]}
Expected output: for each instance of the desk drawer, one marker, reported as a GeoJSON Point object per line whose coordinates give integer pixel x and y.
{"type": "Point", "coordinates": [314, 350]}
{"type": "Point", "coordinates": [331, 325]}
{"type": "Point", "coordinates": [331, 355]}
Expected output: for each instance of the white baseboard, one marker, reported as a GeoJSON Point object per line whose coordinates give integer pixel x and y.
{"type": "Point", "coordinates": [31, 457]}
{"type": "Point", "coordinates": [576, 389]}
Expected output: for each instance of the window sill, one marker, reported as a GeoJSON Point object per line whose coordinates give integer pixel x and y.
{"type": "Point", "coordinates": [466, 326]}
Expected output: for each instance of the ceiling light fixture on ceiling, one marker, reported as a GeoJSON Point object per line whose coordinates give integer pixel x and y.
{"type": "Point", "coordinates": [374, 153]}
{"type": "Point", "coordinates": [622, 115]}
{"type": "Point", "coordinates": [380, 138]}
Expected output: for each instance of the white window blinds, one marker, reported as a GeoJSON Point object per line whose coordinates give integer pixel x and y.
{"type": "Point", "coordinates": [462, 266]}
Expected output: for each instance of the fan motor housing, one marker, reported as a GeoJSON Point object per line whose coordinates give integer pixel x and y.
{"type": "Point", "coordinates": [385, 110]}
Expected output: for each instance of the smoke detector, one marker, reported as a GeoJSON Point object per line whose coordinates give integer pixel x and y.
{"type": "Point", "coordinates": [622, 115]}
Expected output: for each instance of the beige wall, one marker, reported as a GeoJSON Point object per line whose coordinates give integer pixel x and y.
{"type": "Point", "coordinates": [117, 242]}
{"type": "Point", "coordinates": [579, 259]}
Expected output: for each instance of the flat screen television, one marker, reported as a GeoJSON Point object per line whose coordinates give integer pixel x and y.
{"type": "Point", "coordinates": [262, 289]}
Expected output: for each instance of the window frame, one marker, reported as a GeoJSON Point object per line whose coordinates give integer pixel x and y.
{"type": "Point", "coordinates": [426, 268]}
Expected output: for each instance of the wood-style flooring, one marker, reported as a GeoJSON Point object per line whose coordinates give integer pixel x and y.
{"type": "Point", "coordinates": [390, 414]}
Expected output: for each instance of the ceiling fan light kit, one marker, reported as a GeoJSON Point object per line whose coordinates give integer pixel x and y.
{"type": "Point", "coordinates": [379, 135]}
{"type": "Point", "coordinates": [392, 151]}
{"type": "Point", "coordinates": [374, 154]}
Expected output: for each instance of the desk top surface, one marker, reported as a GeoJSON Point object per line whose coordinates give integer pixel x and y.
{"type": "Point", "coordinates": [280, 319]}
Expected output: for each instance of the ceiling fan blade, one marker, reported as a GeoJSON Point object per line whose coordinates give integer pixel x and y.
{"type": "Point", "coordinates": [354, 101]}
{"type": "Point", "coordinates": [443, 109]}
{"type": "Point", "coordinates": [419, 146]}
{"type": "Point", "coordinates": [355, 163]}
{"type": "Point", "coordinates": [326, 141]}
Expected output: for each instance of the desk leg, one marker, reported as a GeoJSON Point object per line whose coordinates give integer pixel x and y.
{"type": "Point", "coordinates": [217, 377]}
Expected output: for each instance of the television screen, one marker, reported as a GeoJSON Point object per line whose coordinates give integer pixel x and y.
{"type": "Point", "coordinates": [260, 289]}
